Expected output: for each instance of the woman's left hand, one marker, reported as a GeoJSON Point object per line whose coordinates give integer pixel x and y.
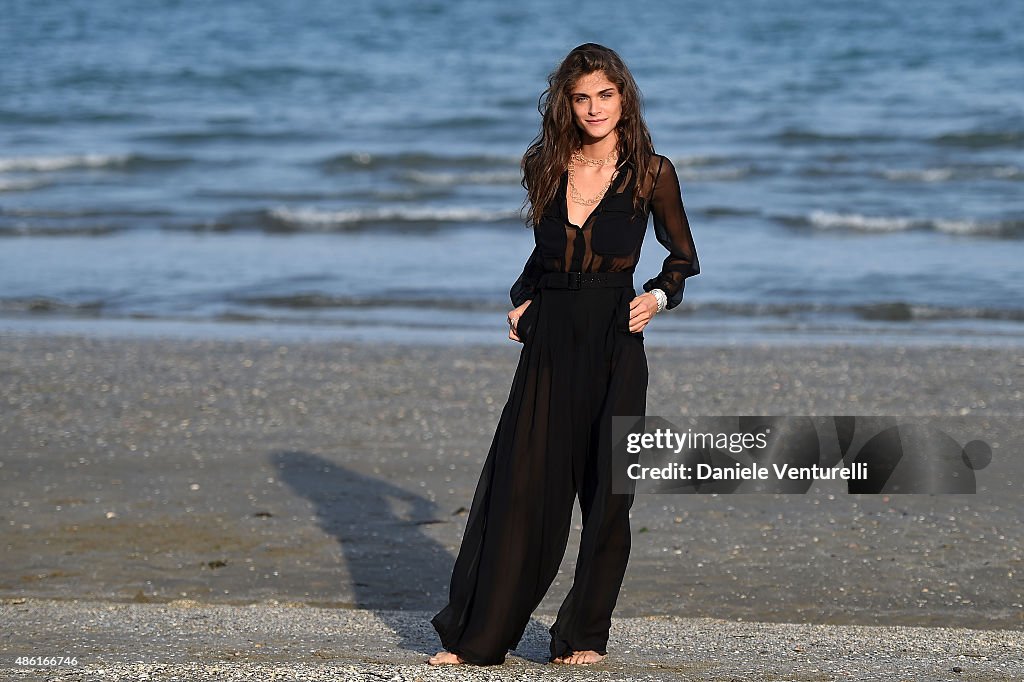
{"type": "Point", "coordinates": [641, 310]}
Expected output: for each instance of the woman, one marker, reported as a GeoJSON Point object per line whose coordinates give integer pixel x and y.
{"type": "Point", "coordinates": [592, 179]}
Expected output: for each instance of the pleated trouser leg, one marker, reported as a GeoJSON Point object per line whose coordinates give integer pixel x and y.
{"type": "Point", "coordinates": [584, 618]}
{"type": "Point", "coordinates": [579, 365]}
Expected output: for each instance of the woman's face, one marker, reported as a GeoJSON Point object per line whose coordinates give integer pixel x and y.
{"type": "Point", "coordinates": [596, 105]}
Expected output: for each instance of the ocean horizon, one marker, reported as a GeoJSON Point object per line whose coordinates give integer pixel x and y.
{"type": "Point", "coordinates": [851, 171]}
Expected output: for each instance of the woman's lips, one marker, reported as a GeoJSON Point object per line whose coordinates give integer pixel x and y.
{"type": "Point", "coordinates": [596, 122]}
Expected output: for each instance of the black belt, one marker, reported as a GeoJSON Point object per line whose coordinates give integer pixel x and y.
{"type": "Point", "coordinates": [585, 280]}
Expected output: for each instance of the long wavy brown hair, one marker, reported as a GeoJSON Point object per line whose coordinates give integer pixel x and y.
{"type": "Point", "coordinates": [549, 152]}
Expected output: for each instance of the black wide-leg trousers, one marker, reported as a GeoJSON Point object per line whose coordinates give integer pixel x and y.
{"type": "Point", "coordinates": [579, 366]}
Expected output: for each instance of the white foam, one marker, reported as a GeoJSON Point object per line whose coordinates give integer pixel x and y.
{"type": "Point", "coordinates": [696, 160]}
{"type": "Point", "coordinates": [52, 163]}
{"type": "Point", "coordinates": [921, 174]}
{"type": "Point", "coordinates": [315, 217]}
{"type": "Point", "coordinates": [857, 221]}
{"type": "Point", "coordinates": [475, 177]}
{"type": "Point", "coordinates": [733, 173]}
{"type": "Point", "coordinates": [945, 173]}
{"type": "Point", "coordinates": [966, 226]}
{"type": "Point", "coordinates": [1008, 172]}
{"type": "Point", "coordinates": [21, 185]}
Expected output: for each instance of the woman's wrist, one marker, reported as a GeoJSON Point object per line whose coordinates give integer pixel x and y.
{"type": "Point", "coordinates": [661, 297]}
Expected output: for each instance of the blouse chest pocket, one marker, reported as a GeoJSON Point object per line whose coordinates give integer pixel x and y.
{"type": "Point", "coordinates": [550, 236]}
{"type": "Point", "coordinates": [616, 230]}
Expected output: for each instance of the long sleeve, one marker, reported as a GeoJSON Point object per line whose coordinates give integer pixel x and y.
{"type": "Point", "coordinates": [673, 232]}
{"type": "Point", "coordinates": [525, 287]}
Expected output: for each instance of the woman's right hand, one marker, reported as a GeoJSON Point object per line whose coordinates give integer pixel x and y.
{"type": "Point", "coordinates": [513, 320]}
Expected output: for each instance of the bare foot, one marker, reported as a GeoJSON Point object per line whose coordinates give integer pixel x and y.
{"type": "Point", "coordinates": [445, 658]}
{"type": "Point", "coordinates": [580, 657]}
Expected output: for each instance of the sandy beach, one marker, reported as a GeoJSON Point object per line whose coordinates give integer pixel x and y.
{"type": "Point", "coordinates": [331, 480]}
{"type": "Point", "coordinates": [185, 640]}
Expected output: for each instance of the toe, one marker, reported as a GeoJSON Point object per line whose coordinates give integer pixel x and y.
{"type": "Point", "coordinates": [584, 657]}
{"type": "Point", "coordinates": [445, 658]}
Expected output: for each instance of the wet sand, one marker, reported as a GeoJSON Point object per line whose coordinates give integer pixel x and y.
{"type": "Point", "coordinates": [338, 475]}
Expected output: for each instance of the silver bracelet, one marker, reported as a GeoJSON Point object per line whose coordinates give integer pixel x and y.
{"type": "Point", "coordinates": [662, 298]}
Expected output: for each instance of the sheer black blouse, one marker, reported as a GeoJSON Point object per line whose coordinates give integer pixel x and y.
{"type": "Point", "coordinates": [611, 237]}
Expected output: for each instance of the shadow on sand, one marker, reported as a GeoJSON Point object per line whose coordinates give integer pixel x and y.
{"type": "Point", "coordinates": [394, 565]}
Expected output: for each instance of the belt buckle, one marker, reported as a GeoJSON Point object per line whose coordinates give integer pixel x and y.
{"type": "Point", "coordinates": [574, 279]}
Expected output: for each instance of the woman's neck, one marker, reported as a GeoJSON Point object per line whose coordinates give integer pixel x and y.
{"type": "Point", "coordinates": [599, 149]}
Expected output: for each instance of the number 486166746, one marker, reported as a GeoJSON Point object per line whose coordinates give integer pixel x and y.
{"type": "Point", "coordinates": [46, 660]}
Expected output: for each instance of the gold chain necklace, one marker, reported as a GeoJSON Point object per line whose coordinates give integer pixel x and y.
{"type": "Point", "coordinates": [578, 156]}
{"type": "Point", "coordinates": [574, 192]}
